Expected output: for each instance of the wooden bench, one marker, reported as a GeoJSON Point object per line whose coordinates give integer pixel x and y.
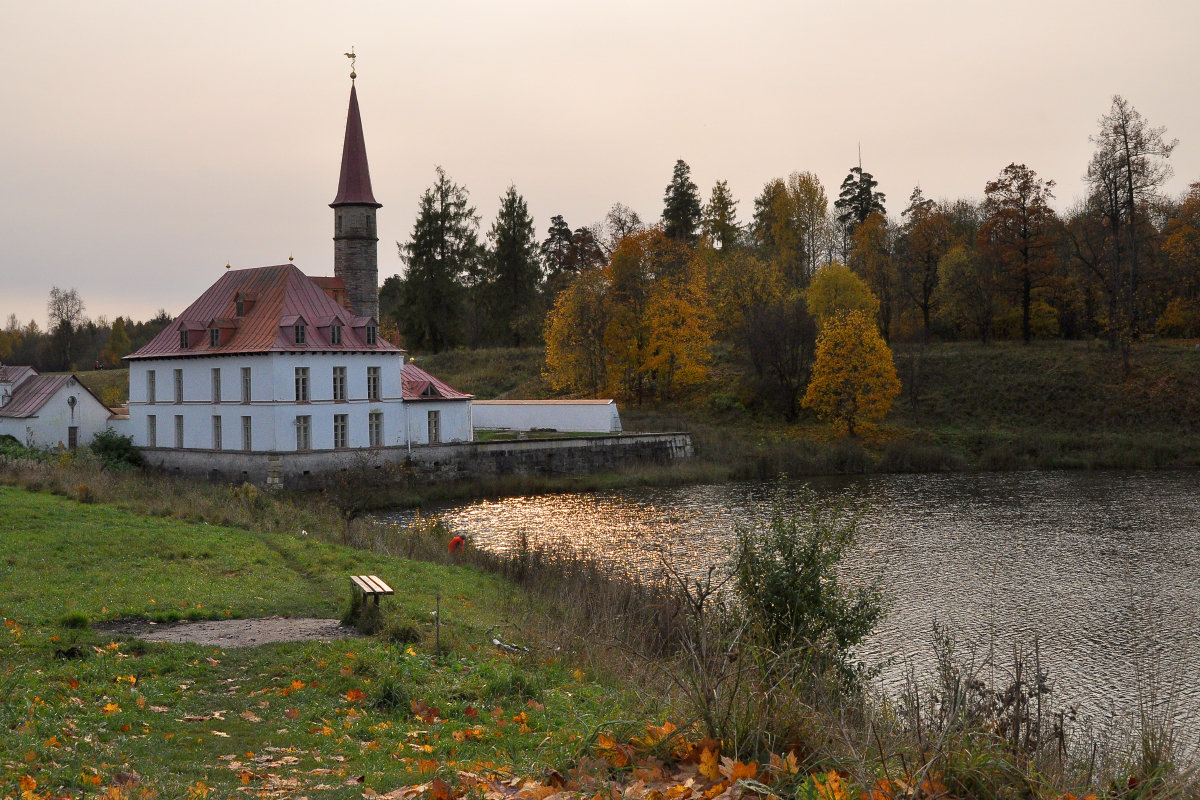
{"type": "Point", "coordinates": [371, 586]}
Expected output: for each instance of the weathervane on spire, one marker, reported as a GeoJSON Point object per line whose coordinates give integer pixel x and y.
{"type": "Point", "coordinates": [352, 58]}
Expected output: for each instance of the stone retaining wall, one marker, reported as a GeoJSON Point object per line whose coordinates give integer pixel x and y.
{"type": "Point", "coordinates": [445, 462]}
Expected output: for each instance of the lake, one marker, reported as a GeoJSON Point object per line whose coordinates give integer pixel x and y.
{"type": "Point", "coordinates": [1102, 567]}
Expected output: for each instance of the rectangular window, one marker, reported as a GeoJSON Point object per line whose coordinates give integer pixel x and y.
{"type": "Point", "coordinates": [298, 334]}
{"type": "Point", "coordinates": [435, 427]}
{"type": "Point", "coordinates": [247, 440]}
{"type": "Point", "coordinates": [301, 384]}
{"type": "Point", "coordinates": [373, 383]}
{"type": "Point", "coordinates": [303, 433]}
{"type": "Point", "coordinates": [178, 386]}
{"type": "Point", "coordinates": [375, 428]}
{"type": "Point", "coordinates": [183, 339]}
{"type": "Point", "coordinates": [239, 306]}
{"type": "Point", "coordinates": [335, 334]}
{"type": "Point", "coordinates": [339, 383]}
{"type": "Point", "coordinates": [245, 384]}
{"type": "Point", "coordinates": [179, 431]}
{"type": "Point", "coordinates": [150, 388]}
{"type": "Point", "coordinates": [72, 437]}
{"type": "Point", "coordinates": [214, 337]}
{"type": "Point", "coordinates": [341, 424]}
{"type": "Point", "coordinates": [216, 433]}
{"type": "Point", "coordinates": [372, 334]}
{"type": "Point", "coordinates": [151, 431]}
{"type": "Point", "coordinates": [216, 384]}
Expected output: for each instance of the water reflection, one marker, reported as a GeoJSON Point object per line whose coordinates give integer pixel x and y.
{"type": "Point", "coordinates": [1104, 568]}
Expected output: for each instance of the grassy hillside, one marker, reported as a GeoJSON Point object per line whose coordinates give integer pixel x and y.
{"type": "Point", "coordinates": [1073, 386]}
{"type": "Point", "coordinates": [491, 374]}
{"type": "Point", "coordinates": [87, 713]}
{"type": "Point", "coordinates": [110, 385]}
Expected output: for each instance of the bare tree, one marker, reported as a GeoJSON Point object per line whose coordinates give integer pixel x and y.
{"type": "Point", "coordinates": [1126, 173]}
{"type": "Point", "coordinates": [621, 221]}
{"type": "Point", "coordinates": [65, 312]}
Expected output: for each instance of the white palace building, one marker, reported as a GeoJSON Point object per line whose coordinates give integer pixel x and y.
{"type": "Point", "coordinates": [273, 376]}
{"type": "Point", "coordinates": [270, 360]}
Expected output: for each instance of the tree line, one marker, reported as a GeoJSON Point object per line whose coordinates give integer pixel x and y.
{"type": "Point", "coordinates": [643, 309]}
{"type": "Point", "coordinates": [640, 310]}
{"type": "Point", "coordinates": [71, 340]}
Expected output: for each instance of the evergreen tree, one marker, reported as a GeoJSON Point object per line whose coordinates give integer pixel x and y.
{"type": "Point", "coordinates": [586, 252]}
{"type": "Point", "coordinates": [513, 273]}
{"type": "Point", "coordinates": [720, 222]}
{"type": "Point", "coordinates": [858, 198]}
{"type": "Point", "coordinates": [442, 258]}
{"type": "Point", "coordinates": [556, 249]}
{"type": "Point", "coordinates": [681, 205]}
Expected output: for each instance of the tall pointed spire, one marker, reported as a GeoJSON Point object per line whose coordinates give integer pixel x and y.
{"type": "Point", "coordinates": [355, 243]}
{"type": "Point", "coordinates": [354, 185]}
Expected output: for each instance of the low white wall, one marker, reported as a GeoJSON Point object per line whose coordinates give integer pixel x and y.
{"type": "Point", "coordinates": [568, 416]}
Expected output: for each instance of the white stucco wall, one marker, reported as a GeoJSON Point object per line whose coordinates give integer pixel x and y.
{"type": "Point", "coordinates": [272, 409]}
{"type": "Point", "coordinates": [454, 416]}
{"type": "Point", "coordinates": [50, 425]}
{"type": "Point", "coordinates": [583, 416]}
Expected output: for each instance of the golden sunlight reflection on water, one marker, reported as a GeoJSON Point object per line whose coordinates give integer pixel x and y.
{"type": "Point", "coordinates": [1103, 568]}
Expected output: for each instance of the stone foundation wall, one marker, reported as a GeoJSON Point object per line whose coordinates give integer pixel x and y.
{"type": "Point", "coordinates": [446, 462]}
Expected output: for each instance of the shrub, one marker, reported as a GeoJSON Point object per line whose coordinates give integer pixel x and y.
{"type": "Point", "coordinates": [786, 575]}
{"type": "Point", "coordinates": [115, 451]}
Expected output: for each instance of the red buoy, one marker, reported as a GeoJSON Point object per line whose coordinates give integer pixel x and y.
{"type": "Point", "coordinates": [456, 544]}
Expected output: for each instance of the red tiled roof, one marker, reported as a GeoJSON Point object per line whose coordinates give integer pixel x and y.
{"type": "Point", "coordinates": [354, 185]}
{"type": "Point", "coordinates": [417, 384]}
{"type": "Point", "coordinates": [29, 397]}
{"type": "Point", "coordinates": [281, 294]}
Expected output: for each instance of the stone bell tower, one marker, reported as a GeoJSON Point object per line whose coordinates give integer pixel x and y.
{"type": "Point", "coordinates": [355, 239]}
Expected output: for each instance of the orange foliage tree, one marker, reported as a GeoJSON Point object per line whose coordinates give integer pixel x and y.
{"type": "Point", "coordinates": [638, 327]}
{"type": "Point", "coordinates": [854, 378]}
{"type": "Point", "coordinates": [679, 331]}
{"type": "Point", "coordinates": [575, 355]}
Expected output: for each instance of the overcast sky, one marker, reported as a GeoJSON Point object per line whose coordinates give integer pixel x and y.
{"type": "Point", "coordinates": [146, 144]}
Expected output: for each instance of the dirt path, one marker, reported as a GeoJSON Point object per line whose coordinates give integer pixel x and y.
{"type": "Point", "coordinates": [233, 632]}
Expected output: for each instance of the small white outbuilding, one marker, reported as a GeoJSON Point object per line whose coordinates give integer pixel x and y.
{"type": "Point", "coordinates": [49, 410]}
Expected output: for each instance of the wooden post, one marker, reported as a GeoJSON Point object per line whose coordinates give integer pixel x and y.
{"type": "Point", "coordinates": [437, 625]}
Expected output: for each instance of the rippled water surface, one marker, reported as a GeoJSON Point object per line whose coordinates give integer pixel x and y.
{"type": "Point", "coordinates": [1104, 568]}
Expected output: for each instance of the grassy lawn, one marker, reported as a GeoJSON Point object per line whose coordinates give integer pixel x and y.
{"type": "Point", "coordinates": [85, 712]}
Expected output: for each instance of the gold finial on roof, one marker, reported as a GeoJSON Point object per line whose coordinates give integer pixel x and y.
{"type": "Point", "coordinates": [227, 265]}
{"type": "Point", "coordinates": [352, 58]}
{"type": "Point", "coordinates": [291, 258]}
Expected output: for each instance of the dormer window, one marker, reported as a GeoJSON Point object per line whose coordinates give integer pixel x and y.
{"type": "Point", "coordinates": [214, 337]}
{"type": "Point", "coordinates": [335, 334]}
{"type": "Point", "coordinates": [298, 333]}
{"type": "Point", "coordinates": [372, 334]}
{"type": "Point", "coordinates": [183, 339]}
{"type": "Point", "coordinates": [239, 306]}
